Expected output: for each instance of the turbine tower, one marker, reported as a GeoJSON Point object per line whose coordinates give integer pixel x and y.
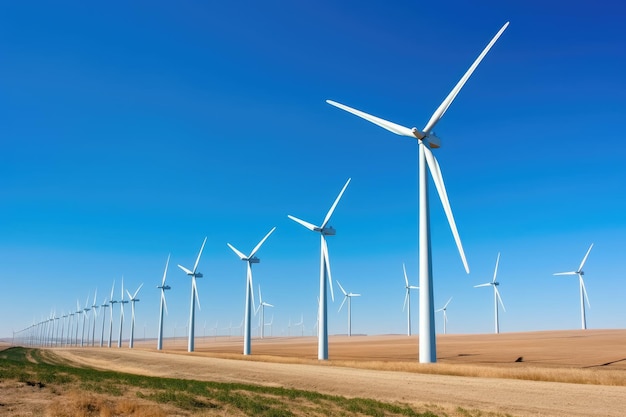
{"type": "Point", "coordinates": [407, 301]}
{"type": "Point", "coordinates": [104, 305]}
{"type": "Point", "coordinates": [427, 139]}
{"type": "Point", "coordinates": [583, 290]}
{"type": "Point", "coordinates": [262, 305]}
{"type": "Point", "coordinates": [496, 294]}
{"type": "Point", "coordinates": [445, 315]}
{"type": "Point", "coordinates": [325, 275]}
{"type": "Point", "coordinates": [111, 301]}
{"type": "Point", "coordinates": [85, 314]}
{"type": "Point", "coordinates": [194, 296]}
{"type": "Point", "coordinates": [347, 296]}
{"type": "Point", "coordinates": [122, 302]}
{"type": "Point", "coordinates": [94, 308]}
{"type": "Point", "coordinates": [133, 299]}
{"type": "Point", "coordinates": [163, 304]}
{"type": "Point", "coordinates": [250, 259]}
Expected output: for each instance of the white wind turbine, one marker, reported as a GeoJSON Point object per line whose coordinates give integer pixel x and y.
{"type": "Point", "coordinates": [427, 344]}
{"type": "Point", "coordinates": [325, 275]}
{"type": "Point", "coordinates": [496, 294]}
{"type": "Point", "coordinates": [407, 301]}
{"type": "Point", "coordinates": [262, 305]}
{"type": "Point", "coordinates": [194, 296]}
{"type": "Point", "coordinates": [250, 259]}
{"type": "Point", "coordinates": [79, 312]}
{"type": "Point", "coordinates": [104, 306]}
{"type": "Point", "coordinates": [347, 296]}
{"type": "Point", "coordinates": [271, 324]}
{"type": "Point", "coordinates": [94, 308]}
{"type": "Point", "coordinates": [121, 302]}
{"type": "Point", "coordinates": [163, 304]}
{"type": "Point", "coordinates": [111, 301]}
{"type": "Point", "coordinates": [301, 324]}
{"type": "Point", "coordinates": [85, 314]}
{"type": "Point", "coordinates": [69, 330]}
{"type": "Point", "coordinates": [583, 290]}
{"type": "Point", "coordinates": [133, 299]}
{"type": "Point", "coordinates": [445, 315]}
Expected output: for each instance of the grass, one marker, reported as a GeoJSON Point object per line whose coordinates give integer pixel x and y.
{"type": "Point", "coordinates": [81, 391]}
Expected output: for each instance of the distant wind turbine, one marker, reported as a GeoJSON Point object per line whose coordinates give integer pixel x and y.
{"type": "Point", "coordinates": [427, 139]}
{"type": "Point", "coordinates": [583, 290]}
{"type": "Point", "coordinates": [262, 305]}
{"type": "Point", "coordinates": [111, 301]}
{"type": "Point", "coordinates": [122, 302]}
{"type": "Point", "coordinates": [347, 296]}
{"type": "Point", "coordinates": [194, 297]}
{"type": "Point", "coordinates": [133, 299]}
{"type": "Point", "coordinates": [325, 275]}
{"type": "Point", "coordinates": [445, 315]}
{"type": "Point", "coordinates": [103, 308]}
{"type": "Point", "coordinates": [249, 307]}
{"type": "Point", "coordinates": [407, 301]}
{"type": "Point", "coordinates": [301, 324]}
{"type": "Point", "coordinates": [496, 294]}
{"type": "Point", "coordinates": [94, 308]}
{"type": "Point", "coordinates": [163, 304]}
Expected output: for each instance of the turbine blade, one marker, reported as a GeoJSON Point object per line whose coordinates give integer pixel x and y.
{"type": "Point", "coordinates": [195, 266]}
{"type": "Point", "coordinates": [332, 208]}
{"type": "Point", "coordinates": [188, 272]}
{"type": "Point", "coordinates": [354, 295]}
{"type": "Point", "coordinates": [566, 273]}
{"type": "Point", "coordinates": [414, 287]}
{"type": "Point", "coordinates": [390, 126]}
{"type": "Point", "coordinates": [488, 284]}
{"type": "Point", "coordinates": [136, 292]}
{"type": "Point", "coordinates": [256, 248]}
{"type": "Point", "coordinates": [445, 306]}
{"type": "Point", "coordinates": [495, 271]}
{"type": "Point", "coordinates": [167, 263]}
{"type": "Point", "coordinates": [499, 297]}
{"type": "Point", "coordinates": [268, 305]}
{"type": "Point", "coordinates": [582, 283]}
{"type": "Point", "coordinates": [406, 279]}
{"type": "Point", "coordinates": [327, 263]}
{"type": "Point", "coordinates": [112, 289]}
{"type": "Point", "coordinates": [164, 302]}
{"type": "Point", "coordinates": [441, 110]}
{"type": "Point", "coordinates": [342, 303]}
{"type": "Point", "coordinates": [196, 292]}
{"type": "Point", "coordinates": [251, 285]}
{"type": "Point", "coordinates": [130, 297]}
{"type": "Point", "coordinates": [340, 287]}
{"type": "Point", "coordinates": [580, 268]}
{"type": "Point", "coordinates": [406, 298]}
{"type": "Point", "coordinates": [443, 196]}
{"type": "Point", "coordinates": [308, 225]}
{"type": "Point", "coordinates": [237, 252]}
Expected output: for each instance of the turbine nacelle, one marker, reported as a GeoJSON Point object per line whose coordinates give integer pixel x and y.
{"type": "Point", "coordinates": [253, 260]}
{"type": "Point", "coordinates": [433, 140]}
{"type": "Point", "coordinates": [327, 231]}
{"type": "Point", "coordinates": [164, 287]}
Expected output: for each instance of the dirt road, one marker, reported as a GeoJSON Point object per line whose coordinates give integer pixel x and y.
{"type": "Point", "coordinates": [514, 397]}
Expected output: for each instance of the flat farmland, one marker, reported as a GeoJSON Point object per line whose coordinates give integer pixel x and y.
{"type": "Point", "coordinates": [552, 373]}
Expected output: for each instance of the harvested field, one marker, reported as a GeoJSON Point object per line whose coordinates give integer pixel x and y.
{"type": "Point", "coordinates": [475, 372]}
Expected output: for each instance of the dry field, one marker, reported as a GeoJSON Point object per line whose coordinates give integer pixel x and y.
{"type": "Point", "coordinates": [564, 373]}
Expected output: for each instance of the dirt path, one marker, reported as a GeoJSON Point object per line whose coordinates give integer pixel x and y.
{"type": "Point", "coordinates": [515, 397]}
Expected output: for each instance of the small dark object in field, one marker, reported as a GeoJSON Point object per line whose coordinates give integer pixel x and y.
{"type": "Point", "coordinates": [520, 359]}
{"type": "Point", "coordinates": [38, 384]}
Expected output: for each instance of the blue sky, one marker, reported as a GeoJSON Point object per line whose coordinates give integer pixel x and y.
{"type": "Point", "coordinates": [131, 131]}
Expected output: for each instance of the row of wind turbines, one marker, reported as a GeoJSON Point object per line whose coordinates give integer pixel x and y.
{"type": "Point", "coordinates": [427, 141]}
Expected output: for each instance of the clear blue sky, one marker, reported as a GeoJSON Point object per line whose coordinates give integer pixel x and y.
{"type": "Point", "coordinates": [131, 130]}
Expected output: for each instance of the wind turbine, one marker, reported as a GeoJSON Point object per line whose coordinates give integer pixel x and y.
{"type": "Point", "coordinates": [111, 301]}
{"type": "Point", "coordinates": [583, 290]}
{"type": "Point", "coordinates": [163, 304]}
{"type": "Point", "coordinates": [347, 296]}
{"type": "Point", "coordinates": [262, 305]}
{"type": "Point", "coordinates": [250, 259]}
{"type": "Point", "coordinates": [271, 323]}
{"type": "Point", "coordinates": [301, 324]}
{"type": "Point", "coordinates": [85, 314]}
{"type": "Point", "coordinates": [322, 330]}
{"type": "Point", "coordinates": [194, 295]}
{"type": "Point", "coordinates": [133, 300]}
{"type": "Point", "coordinates": [79, 312]}
{"type": "Point", "coordinates": [496, 293]}
{"type": "Point", "coordinates": [121, 302]}
{"type": "Point", "coordinates": [104, 305]}
{"type": "Point", "coordinates": [445, 315]}
{"type": "Point", "coordinates": [427, 139]}
{"type": "Point", "coordinates": [69, 330]}
{"type": "Point", "coordinates": [94, 308]}
{"type": "Point", "coordinates": [407, 301]}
